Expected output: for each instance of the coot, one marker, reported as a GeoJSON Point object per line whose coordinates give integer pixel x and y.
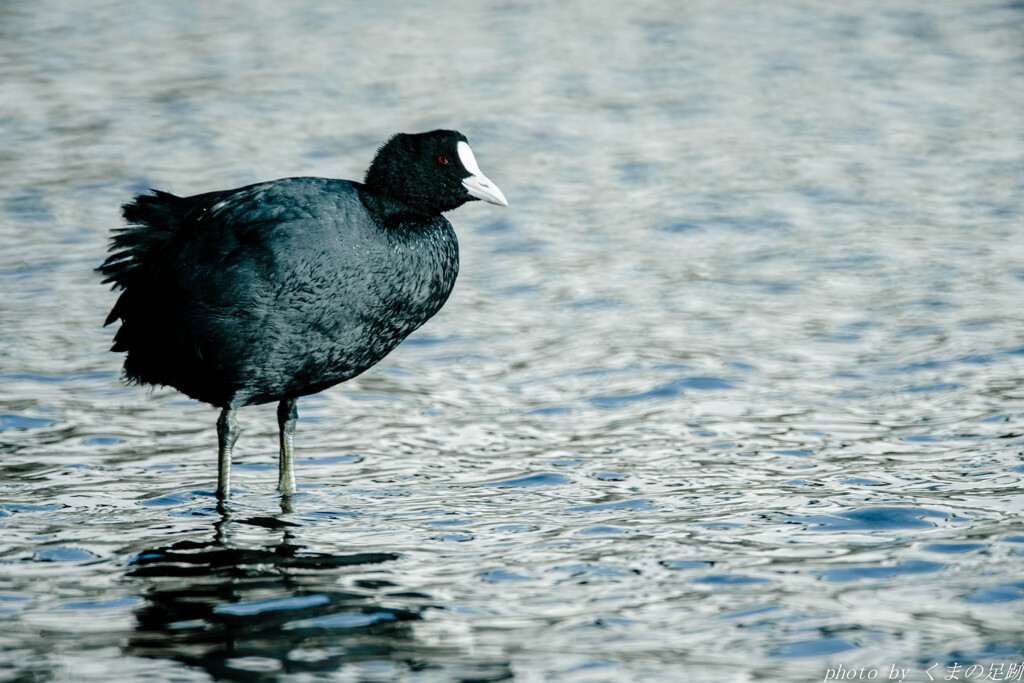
{"type": "Point", "coordinates": [280, 289]}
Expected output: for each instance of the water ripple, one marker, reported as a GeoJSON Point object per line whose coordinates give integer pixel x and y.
{"type": "Point", "coordinates": [736, 372]}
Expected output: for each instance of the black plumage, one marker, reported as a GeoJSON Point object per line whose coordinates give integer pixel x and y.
{"type": "Point", "coordinates": [281, 289]}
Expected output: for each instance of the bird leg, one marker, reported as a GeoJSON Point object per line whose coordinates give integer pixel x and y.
{"type": "Point", "coordinates": [287, 415]}
{"type": "Point", "coordinates": [227, 435]}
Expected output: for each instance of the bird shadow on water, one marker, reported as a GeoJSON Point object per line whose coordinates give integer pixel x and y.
{"type": "Point", "coordinates": [257, 613]}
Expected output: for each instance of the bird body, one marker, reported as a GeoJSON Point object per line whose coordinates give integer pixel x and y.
{"type": "Point", "coordinates": [285, 288]}
{"type": "Point", "coordinates": [277, 289]}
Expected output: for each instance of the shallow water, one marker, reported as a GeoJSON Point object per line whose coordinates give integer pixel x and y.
{"type": "Point", "coordinates": [731, 391]}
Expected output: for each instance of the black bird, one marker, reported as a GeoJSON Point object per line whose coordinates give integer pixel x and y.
{"type": "Point", "coordinates": [284, 288]}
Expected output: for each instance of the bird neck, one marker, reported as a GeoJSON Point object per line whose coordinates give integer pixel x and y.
{"type": "Point", "coordinates": [393, 213]}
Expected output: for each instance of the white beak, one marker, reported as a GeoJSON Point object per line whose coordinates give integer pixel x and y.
{"type": "Point", "coordinates": [478, 184]}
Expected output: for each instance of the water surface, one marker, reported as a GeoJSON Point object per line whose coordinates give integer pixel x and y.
{"type": "Point", "coordinates": [731, 391]}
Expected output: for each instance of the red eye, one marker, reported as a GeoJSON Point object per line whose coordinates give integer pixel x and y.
{"type": "Point", "coordinates": [442, 159]}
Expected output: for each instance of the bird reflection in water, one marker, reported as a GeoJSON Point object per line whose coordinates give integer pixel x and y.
{"type": "Point", "coordinates": [243, 613]}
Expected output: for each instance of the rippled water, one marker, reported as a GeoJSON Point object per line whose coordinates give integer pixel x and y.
{"type": "Point", "coordinates": [731, 391]}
